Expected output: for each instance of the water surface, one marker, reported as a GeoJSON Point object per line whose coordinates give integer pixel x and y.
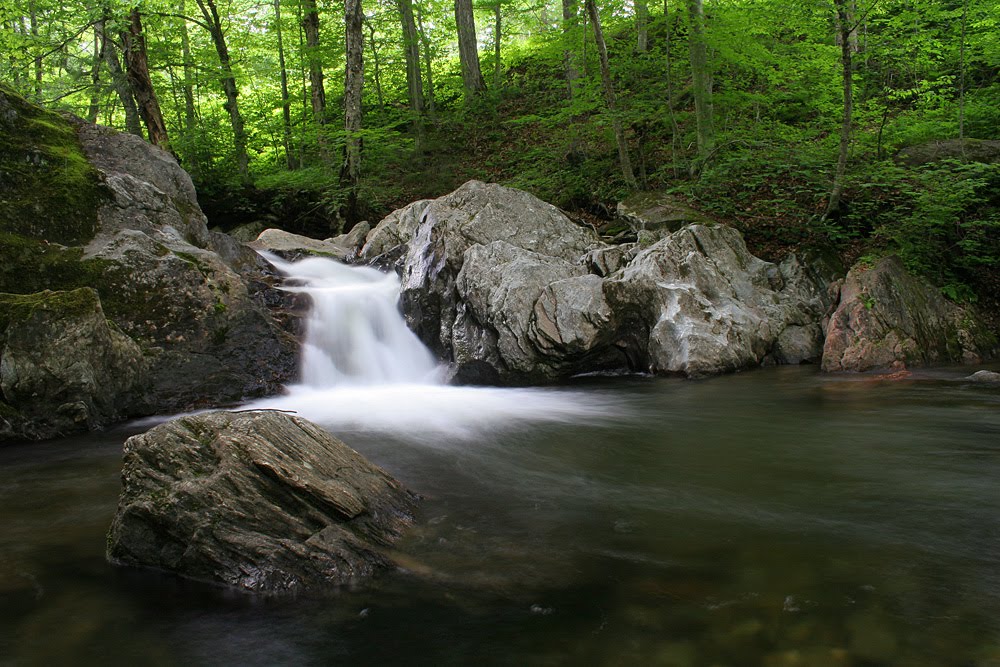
{"type": "Point", "coordinates": [776, 517]}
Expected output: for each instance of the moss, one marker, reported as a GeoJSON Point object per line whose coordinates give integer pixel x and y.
{"type": "Point", "coordinates": [29, 265]}
{"type": "Point", "coordinates": [48, 189]}
{"type": "Point", "coordinates": [8, 413]}
{"type": "Point", "coordinates": [19, 307]}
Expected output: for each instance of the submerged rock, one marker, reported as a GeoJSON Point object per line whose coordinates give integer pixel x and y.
{"type": "Point", "coordinates": [888, 318]}
{"type": "Point", "coordinates": [509, 289]}
{"type": "Point", "coordinates": [63, 367]}
{"type": "Point", "coordinates": [258, 500]}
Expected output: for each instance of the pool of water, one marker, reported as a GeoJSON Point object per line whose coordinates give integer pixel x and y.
{"type": "Point", "coordinates": [776, 517]}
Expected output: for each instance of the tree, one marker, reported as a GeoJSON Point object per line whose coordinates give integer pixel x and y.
{"type": "Point", "coordinates": [468, 51]}
{"type": "Point", "coordinates": [609, 95]}
{"type": "Point", "coordinates": [701, 78]}
{"type": "Point", "coordinates": [845, 29]}
{"type": "Point", "coordinates": [286, 104]}
{"type": "Point", "coordinates": [317, 93]}
{"type": "Point", "coordinates": [214, 26]}
{"type": "Point", "coordinates": [641, 26]}
{"type": "Point", "coordinates": [411, 54]}
{"type": "Point", "coordinates": [118, 80]}
{"type": "Point", "coordinates": [137, 68]}
{"type": "Point", "coordinates": [354, 74]}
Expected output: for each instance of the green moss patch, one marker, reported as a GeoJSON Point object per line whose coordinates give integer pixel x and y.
{"type": "Point", "coordinates": [48, 189]}
{"type": "Point", "coordinates": [29, 265]}
{"type": "Point", "coordinates": [19, 307]}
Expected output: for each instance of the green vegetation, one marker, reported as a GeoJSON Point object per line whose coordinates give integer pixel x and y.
{"type": "Point", "coordinates": [786, 119]}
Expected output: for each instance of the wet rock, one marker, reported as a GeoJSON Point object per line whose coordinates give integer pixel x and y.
{"type": "Point", "coordinates": [64, 367]}
{"type": "Point", "coordinates": [658, 213]}
{"type": "Point", "coordinates": [260, 500]}
{"type": "Point", "coordinates": [887, 318]}
{"type": "Point", "coordinates": [294, 247]}
{"type": "Point", "coordinates": [985, 377]}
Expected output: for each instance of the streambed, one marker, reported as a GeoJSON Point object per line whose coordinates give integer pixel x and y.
{"type": "Point", "coordinates": [774, 517]}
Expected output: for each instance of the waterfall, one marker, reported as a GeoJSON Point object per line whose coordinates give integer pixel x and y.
{"type": "Point", "coordinates": [364, 370]}
{"type": "Point", "coordinates": [354, 332]}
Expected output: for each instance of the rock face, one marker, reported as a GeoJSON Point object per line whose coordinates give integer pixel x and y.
{"type": "Point", "coordinates": [99, 209]}
{"type": "Point", "coordinates": [63, 366]}
{"type": "Point", "coordinates": [887, 318]}
{"type": "Point", "coordinates": [512, 291]}
{"type": "Point", "coordinates": [260, 500]}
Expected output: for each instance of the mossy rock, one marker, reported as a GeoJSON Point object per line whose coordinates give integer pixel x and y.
{"type": "Point", "coordinates": [19, 307]}
{"type": "Point", "coordinates": [48, 189]}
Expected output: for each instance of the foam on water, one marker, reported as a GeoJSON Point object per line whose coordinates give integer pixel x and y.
{"type": "Point", "coordinates": [364, 370]}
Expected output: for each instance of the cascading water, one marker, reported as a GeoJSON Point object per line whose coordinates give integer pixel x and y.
{"type": "Point", "coordinates": [363, 369]}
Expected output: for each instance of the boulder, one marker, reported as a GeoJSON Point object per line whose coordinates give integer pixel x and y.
{"type": "Point", "coordinates": [975, 150]}
{"type": "Point", "coordinates": [294, 247]}
{"type": "Point", "coordinates": [511, 291]}
{"type": "Point", "coordinates": [259, 500]}
{"type": "Point", "coordinates": [985, 377]}
{"type": "Point", "coordinates": [85, 206]}
{"type": "Point", "coordinates": [888, 318]}
{"type": "Point", "coordinates": [63, 367]}
{"type": "Point", "coordinates": [698, 303]}
{"type": "Point", "coordinates": [659, 213]}
{"type": "Point", "coordinates": [427, 241]}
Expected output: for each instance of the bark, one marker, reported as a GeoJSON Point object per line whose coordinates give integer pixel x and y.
{"type": "Point", "coordinates": [229, 87]}
{"type": "Point", "coordinates": [569, 23]}
{"type": "Point", "coordinates": [286, 103]}
{"type": "Point", "coordinates": [119, 82]}
{"type": "Point", "coordinates": [428, 63]}
{"type": "Point", "coordinates": [137, 70]}
{"type": "Point", "coordinates": [353, 82]}
{"type": "Point", "coordinates": [411, 51]}
{"type": "Point", "coordinates": [375, 62]}
{"type": "Point", "coordinates": [95, 79]}
{"type": "Point", "coordinates": [609, 94]}
{"type": "Point", "coordinates": [701, 78]}
{"type": "Point", "coordinates": [641, 25]}
{"type": "Point", "coordinates": [317, 94]}
{"type": "Point", "coordinates": [844, 27]}
{"type": "Point", "coordinates": [497, 34]}
{"type": "Point", "coordinates": [468, 51]}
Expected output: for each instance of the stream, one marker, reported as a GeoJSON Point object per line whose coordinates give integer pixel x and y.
{"type": "Point", "coordinates": [777, 517]}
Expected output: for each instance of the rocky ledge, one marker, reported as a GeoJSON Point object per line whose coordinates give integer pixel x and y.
{"type": "Point", "coordinates": [258, 500]}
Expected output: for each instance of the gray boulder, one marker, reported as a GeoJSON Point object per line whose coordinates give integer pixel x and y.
{"type": "Point", "coordinates": [658, 213]}
{"type": "Point", "coordinates": [293, 247]}
{"type": "Point", "coordinates": [260, 500]}
{"type": "Point", "coordinates": [63, 367]}
{"type": "Point", "coordinates": [510, 290]}
{"type": "Point", "coordinates": [888, 318]}
{"type": "Point", "coordinates": [985, 377]}
{"type": "Point", "coordinates": [976, 150]}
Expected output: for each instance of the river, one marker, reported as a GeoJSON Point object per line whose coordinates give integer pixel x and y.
{"type": "Point", "coordinates": [774, 517]}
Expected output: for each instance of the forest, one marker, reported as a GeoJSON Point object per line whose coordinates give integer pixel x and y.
{"type": "Point", "coordinates": [867, 126]}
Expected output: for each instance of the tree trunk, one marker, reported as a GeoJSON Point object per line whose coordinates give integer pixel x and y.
{"type": "Point", "coordinates": [137, 69]}
{"type": "Point", "coordinates": [33, 24]}
{"type": "Point", "coordinates": [190, 118]}
{"type": "Point", "coordinates": [119, 82]}
{"type": "Point", "coordinates": [286, 103]}
{"type": "Point", "coordinates": [468, 52]}
{"type": "Point", "coordinates": [95, 79]}
{"type": "Point", "coordinates": [497, 34]}
{"type": "Point", "coordinates": [569, 23]}
{"type": "Point", "coordinates": [667, 42]}
{"type": "Point", "coordinates": [350, 175]}
{"type": "Point", "coordinates": [229, 88]}
{"type": "Point", "coordinates": [317, 94]}
{"type": "Point", "coordinates": [844, 27]}
{"type": "Point", "coordinates": [641, 25]}
{"type": "Point", "coordinates": [411, 51]}
{"type": "Point", "coordinates": [376, 63]}
{"type": "Point", "coordinates": [609, 95]}
{"type": "Point", "coordinates": [701, 78]}
{"type": "Point", "coordinates": [428, 62]}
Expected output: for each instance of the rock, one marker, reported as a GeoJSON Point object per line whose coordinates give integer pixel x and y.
{"type": "Point", "coordinates": [511, 291]}
{"type": "Point", "coordinates": [294, 247]}
{"type": "Point", "coordinates": [353, 239]}
{"type": "Point", "coordinates": [259, 500]}
{"type": "Point", "coordinates": [426, 242]}
{"type": "Point", "coordinates": [985, 377]}
{"type": "Point", "coordinates": [63, 367]}
{"type": "Point", "coordinates": [975, 150]}
{"type": "Point", "coordinates": [195, 301]}
{"type": "Point", "coordinates": [698, 303]}
{"type": "Point", "coordinates": [887, 318]}
{"type": "Point", "coordinates": [247, 233]}
{"type": "Point", "coordinates": [659, 213]}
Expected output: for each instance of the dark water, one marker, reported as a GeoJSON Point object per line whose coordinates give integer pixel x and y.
{"type": "Point", "coordinates": [771, 518]}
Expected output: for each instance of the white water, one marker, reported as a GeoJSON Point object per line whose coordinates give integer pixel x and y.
{"type": "Point", "coordinates": [364, 370]}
